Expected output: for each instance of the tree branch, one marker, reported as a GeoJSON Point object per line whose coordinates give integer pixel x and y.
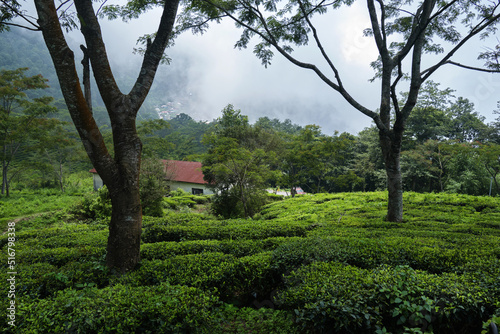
{"type": "Point", "coordinates": [154, 54]}
{"type": "Point", "coordinates": [472, 67]}
{"type": "Point", "coordinates": [476, 30]}
{"type": "Point", "coordinates": [314, 68]}
{"type": "Point", "coordinates": [377, 33]}
{"type": "Point", "coordinates": [24, 17]}
{"type": "Point", "coordinates": [320, 46]}
{"type": "Point", "coordinates": [64, 63]}
{"type": "Point", "coordinates": [103, 75]}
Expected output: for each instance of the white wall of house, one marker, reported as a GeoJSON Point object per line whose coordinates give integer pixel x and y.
{"type": "Point", "coordinates": [97, 181]}
{"type": "Point", "coordinates": [188, 187]}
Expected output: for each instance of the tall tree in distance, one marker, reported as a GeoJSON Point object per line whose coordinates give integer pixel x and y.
{"type": "Point", "coordinates": [120, 171]}
{"type": "Point", "coordinates": [403, 31]}
{"type": "Point", "coordinates": [20, 117]}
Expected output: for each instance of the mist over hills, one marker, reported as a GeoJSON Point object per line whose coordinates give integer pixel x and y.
{"type": "Point", "coordinates": [20, 48]}
{"type": "Point", "coordinates": [178, 87]}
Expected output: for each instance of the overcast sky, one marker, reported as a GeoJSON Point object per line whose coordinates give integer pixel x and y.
{"type": "Point", "coordinates": [217, 74]}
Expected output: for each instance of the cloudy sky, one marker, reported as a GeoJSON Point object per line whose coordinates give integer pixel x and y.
{"type": "Point", "coordinates": [216, 74]}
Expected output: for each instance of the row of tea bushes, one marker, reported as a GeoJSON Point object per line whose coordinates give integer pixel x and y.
{"type": "Point", "coordinates": [332, 296]}
{"type": "Point", "coordinates": [223, 230]}
{"type": "Point", "coordinates": [327, 263]}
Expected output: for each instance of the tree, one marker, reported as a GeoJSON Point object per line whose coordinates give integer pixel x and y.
{"type": "Point", "coordinates": [489, 155]}
{"type": "Point", "coordinates": [119, 172]}
{"type": "Point", "coordinates": [466, 170]}
{"type": "Point", "coordinates": [153, 185]}
{"type": "Point", "coordinates": [466, 124]}
{"type": "Point", "coordinates": [20, 117]}
{"type": "Point", "coordinates": [237, 164]}
{"type": "Point", "coordinates": [403, 32]}
{"type": "Point", "coordinates": [56, 149]}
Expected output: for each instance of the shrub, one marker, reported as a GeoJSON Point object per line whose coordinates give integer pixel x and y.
{"type": "Point", "coordinates": [120, 309]}
{"type": "Point", "coordinates": [233, 230]}
{"type": "Point", "coordinates": [250, 320]}
{"type": "Point", "coordinates": [204, 270]}
{"type": "Point", "coordinates": [346, 299]}
{"type": "Point", "coordinates": [153, 186]}
{"type": "Point", "coordinates": [94, 206]}
{"type": "Point", "coordinates": [42, 280]}
{"type": "Point", "coordinates": [61, 255]}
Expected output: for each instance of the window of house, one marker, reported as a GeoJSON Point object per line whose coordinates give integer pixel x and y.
{"type": "Point", "coordinates": [197, 191]}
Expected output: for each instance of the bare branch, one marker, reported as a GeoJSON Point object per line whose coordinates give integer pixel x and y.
{"type": "Point", "coordinates": [20, 26]}
{"type": "Point", "coordinates": [382, 20]}
{"type": "Point", "coordinates": [377, 33]}
{"type": "Point", "coordinates": [100, 7]}
{"type": "Point", "coordinates": [62, 4]}
{"type": "Point", "coordinates": [443, 9]}
{"type": "Point", "coordinates": [320, 46]}
{"type": "Point", "coordinates": [475, 31]}
{"type": "Point", "coordinates": [21, 15]}
{"type": "Point", "coordinates": [472, 67]}
{"type": "Point", "coordinates": [393, 89]}
{"type": "Point", "coordinates": [154, 54]}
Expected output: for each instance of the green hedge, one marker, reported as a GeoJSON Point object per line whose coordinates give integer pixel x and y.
{"type": "Point", "coordinates": [61, 255]}
{"type": "Point", "coordinates": [120, 309]}
{"type": "Point", "coordinates": [434, 256]}
{"type": "Point", "coordinates": [237, 248]}
{"type": "Point", "coordinates": [346, 299]}
{"type": "Point", "coordinates": [233, 230]}
{"type": "Point", "coordinates": [239, 280]}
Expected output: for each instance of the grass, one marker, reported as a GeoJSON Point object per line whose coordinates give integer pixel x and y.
{"type": "Point", "coordinates": [326, 263]}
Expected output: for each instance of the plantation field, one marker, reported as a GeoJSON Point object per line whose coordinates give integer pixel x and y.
{"type": "Point", "coordinates": [326, 263]}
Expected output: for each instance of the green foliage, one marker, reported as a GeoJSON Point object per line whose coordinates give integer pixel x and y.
{"type": "Point", "coordinates": [345, 298]}
{"type": "Point", "coordinates": [45, 206]}
{"type": "Point", "coordinates": [237, 165]}
{"type": "Point", "coordinates": [21, 119]}
{"type": "Point", "coordinates": [95, 205]}
{"type": "Point", "coordinates": [250, 320]}
{"type": "Point", "coordinates": [153, 186]}
{"type": "Point", "coordinates": [120, 309]}
{"type": "Point", "coordinates": [179, 199]}
{"type": "Point", "coordinates": [314, 263]}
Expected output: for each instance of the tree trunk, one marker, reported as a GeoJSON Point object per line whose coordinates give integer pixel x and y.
{"type": "Point", "coordinates": [391, 150]}
{"type": "Point", "coordinates": [120, 173]}
{"type": "Point", "coordinates": [123, 250]}
{"type": "Point", "coordinates": [4, 179]}
{"type": "Point", "coordinates": [61, 183]}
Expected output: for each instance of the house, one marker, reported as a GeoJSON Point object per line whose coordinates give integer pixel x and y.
{"type": "Point", "coordinates": [97, 179]}
{"type": "Point", "coordinates": [185, 175]}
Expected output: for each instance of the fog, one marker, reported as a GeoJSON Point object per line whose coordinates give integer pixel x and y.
{"type": "Point", "coordinates": [207, 73]}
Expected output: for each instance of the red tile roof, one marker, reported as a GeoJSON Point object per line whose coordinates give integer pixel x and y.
{"type": "Point", "coordinates": [184, 171]}
{"type": "Point", "coordinates": [181, 171]}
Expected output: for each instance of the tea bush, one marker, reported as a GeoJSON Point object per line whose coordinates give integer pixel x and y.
{"type": "Point", "coordinates": [327, 263]}
{"type": "Point", "coordinates": [231, 229]}
{"type": "Point", "coordinates": [120, 309]}
{"type": "Point", "coordinates": [350, 299]}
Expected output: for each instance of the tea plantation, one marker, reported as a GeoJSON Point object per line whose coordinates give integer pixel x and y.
{"type": "Point", "coordinates": [326, 263]}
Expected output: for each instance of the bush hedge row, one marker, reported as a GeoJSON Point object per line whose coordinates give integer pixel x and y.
{"type": "Point", "coordinates": [331, 296]}
{"type": "Point", "coordinates": [318, 264]}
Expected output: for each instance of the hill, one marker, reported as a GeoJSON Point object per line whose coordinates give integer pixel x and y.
{"type": "Point", "coordinates": [325, 263]}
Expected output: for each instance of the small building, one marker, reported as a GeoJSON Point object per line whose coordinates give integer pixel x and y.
{"type": "Point", "coordinates": [185, 175]}
{"type": "Point", "coordinates": [97, 179]}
